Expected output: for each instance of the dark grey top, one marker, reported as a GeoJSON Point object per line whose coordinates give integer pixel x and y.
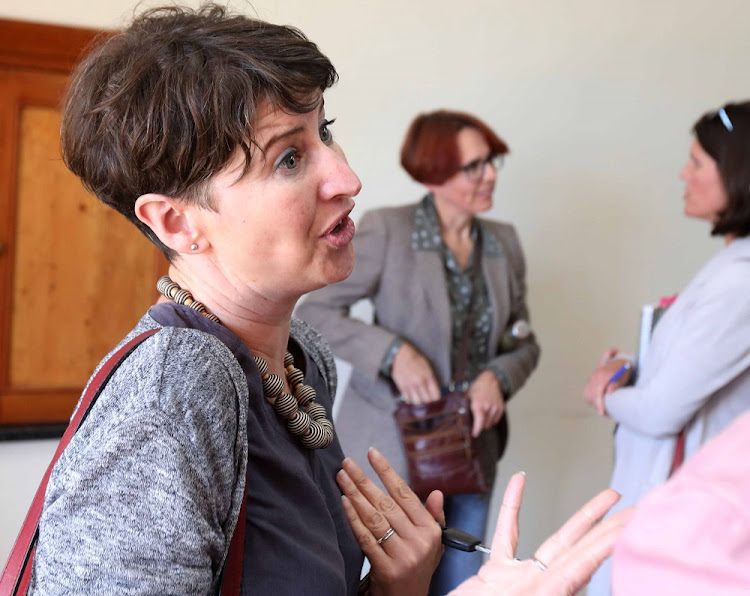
{"type": "Point", "coordinates": [146, 496]}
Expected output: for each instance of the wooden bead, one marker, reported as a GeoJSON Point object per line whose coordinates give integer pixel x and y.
{"type": "Point", "coordinates": [273, 385]}
{"type": "Point", "coordinates": [211, 317]}
{"type": "Point", "coordinates": [304, 394]}
{"type": "Point", "coordinates": [181, 295]}
{"type": "Point", "coordinates": [166, 286]}
{"type": "Point", "coordinates": [316, 437]}
{"type": "Point", "coordinates": [299, 424]}
{"type": "Point", "coordinates": [316, 411]}
{"type": "Point", "coordinates": [262, 366]}
{"type": "Point", "coordinates": [285, 405]}
{"type": "Point", "coordinates": [295, 377]}
{"type": "Point", "coordinates": [326, 424]}
{"type": "Point", "coordinates": [288, 360]}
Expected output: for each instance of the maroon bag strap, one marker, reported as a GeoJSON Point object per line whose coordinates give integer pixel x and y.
{"type": "Point", "coordinates": [17, 573]}
{"type": "Point", "coordinates": [232, 582]}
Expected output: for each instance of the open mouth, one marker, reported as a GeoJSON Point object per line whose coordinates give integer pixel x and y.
{"type": "Point", "coordinates": [337, 227]}
{"type": "Point", "coordinates": [342, 233]}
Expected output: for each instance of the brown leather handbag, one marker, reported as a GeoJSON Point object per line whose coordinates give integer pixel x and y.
{"type": "Point", "coordinates": [441, 453]}
{"type": "Point", "coordinates": [440, 450]}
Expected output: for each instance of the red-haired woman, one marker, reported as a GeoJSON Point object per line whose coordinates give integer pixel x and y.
{"type": "Point", "coordinates": [415, 264]}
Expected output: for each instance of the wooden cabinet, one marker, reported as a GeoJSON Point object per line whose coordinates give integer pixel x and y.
{"type": "Point", "coordinates": [75, 275]}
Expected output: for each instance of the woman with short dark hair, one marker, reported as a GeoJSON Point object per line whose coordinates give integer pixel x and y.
{"type": "Point", "coordinates": [208, 131]}
{"type": "Point", "coordinates": [695, 378]}
{"type": "Point", "coordinates": [415, 264]}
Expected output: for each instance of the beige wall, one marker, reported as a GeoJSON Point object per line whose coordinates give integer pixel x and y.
{"type": "Point", "coordinates": [596, 99]}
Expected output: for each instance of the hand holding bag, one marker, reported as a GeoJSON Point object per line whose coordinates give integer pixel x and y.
{"type": "Point", "coordinates": [440, 451]}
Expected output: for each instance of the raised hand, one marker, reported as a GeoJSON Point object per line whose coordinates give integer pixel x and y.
{"type": "Point", "coordinates": [397, 533]}
{"type": "Point", "coordinates": [562, 565]}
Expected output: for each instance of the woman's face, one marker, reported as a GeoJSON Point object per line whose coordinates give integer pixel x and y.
{"type": "Point", "coordinates": [283, 229]}
{"type": "Point", "coordinates": [466, 195]}
{"type": "Point", "coordinates": [705, 196]}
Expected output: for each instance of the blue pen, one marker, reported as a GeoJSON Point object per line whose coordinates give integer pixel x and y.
{"type": "Point", "coordinates": [620, 371]}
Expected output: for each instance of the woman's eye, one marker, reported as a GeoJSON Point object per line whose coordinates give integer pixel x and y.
{"type": "Point", "coordinates": [325, 133]}
{"type": "Point", "coordinates": [290, 161]}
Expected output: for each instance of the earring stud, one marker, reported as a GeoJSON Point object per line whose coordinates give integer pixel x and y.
{"type": "Point", "coordinates": [193, 246]}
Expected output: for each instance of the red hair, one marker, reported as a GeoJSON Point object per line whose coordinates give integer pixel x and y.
{"type": "Point", "coordinates": [430, 150]}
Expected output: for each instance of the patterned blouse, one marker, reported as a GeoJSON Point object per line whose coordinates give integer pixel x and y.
{"type": "Point", "coordinates": [427, 236]}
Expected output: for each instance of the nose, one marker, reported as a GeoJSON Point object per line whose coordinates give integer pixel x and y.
{"type": "Point", "coordinates": [489, 173]}
{"type": "Point", "coordinates": [339, 180]}
{"type": "Point", "coordinates": [685, 172]}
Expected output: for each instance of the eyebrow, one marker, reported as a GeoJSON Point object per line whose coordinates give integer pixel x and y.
{"type": "Point", "coordinates": [291, 132]}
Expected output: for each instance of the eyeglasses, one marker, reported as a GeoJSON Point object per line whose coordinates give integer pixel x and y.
{"type": "Point", "coordinates": [474, 170]}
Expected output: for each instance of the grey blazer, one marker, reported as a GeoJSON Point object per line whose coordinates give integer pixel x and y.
{"type": "Point", "coordinates": [407, 288]}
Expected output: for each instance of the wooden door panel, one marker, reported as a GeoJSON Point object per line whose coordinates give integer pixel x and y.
{"type": "Point", "coordinates": [75, 274]}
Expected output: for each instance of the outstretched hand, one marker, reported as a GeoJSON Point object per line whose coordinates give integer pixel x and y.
{"type": "Point", "coordinates": [410, 544]}
{"type": "Point", "coordinates": [570, 555]}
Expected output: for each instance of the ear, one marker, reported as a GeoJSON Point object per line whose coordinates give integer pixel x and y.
{"type": "Point", "coordinates": [170, 220]}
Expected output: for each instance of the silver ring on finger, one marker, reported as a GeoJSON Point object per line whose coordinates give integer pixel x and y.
{"type": "Point", "coordinates": [539, 564]}
{"type": "Point", "coordinates": [386, 536]}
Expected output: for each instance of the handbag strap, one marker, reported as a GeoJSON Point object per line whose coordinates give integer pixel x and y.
{"type": "Point", "coordinates": [16, 575]}
{"type": "Point", "coordinates": [461, 364]}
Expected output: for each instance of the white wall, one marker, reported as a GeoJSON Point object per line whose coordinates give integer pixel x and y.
{"type": "Point", "coordinates": [596, 99]}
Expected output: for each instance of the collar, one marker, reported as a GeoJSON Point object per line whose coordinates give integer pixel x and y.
{"type": "Point", "coordinates": [426, 234]}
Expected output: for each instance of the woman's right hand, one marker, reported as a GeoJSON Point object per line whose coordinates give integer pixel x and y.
{"type": "Point", "coordinates": [598, 384]}
{"type": "Point", "coordinates": [400, 537]}
{"type": "Point", "coordinates": [413, 376]}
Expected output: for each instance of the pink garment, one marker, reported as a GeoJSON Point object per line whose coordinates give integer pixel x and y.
{"type": "Point", "coordinates": [691, 535]}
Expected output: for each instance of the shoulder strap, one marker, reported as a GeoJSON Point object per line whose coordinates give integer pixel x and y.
{"type": "Point", "coordinates": [459, 371]}
{"type": "Point", "coordinates": [17, 573]}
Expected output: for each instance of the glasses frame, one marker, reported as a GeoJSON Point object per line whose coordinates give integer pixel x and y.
{"type": "Point", "coordinates": [474, 170]}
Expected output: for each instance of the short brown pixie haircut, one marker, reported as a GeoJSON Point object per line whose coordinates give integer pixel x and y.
{"type": "Point", "coordinates": [163, 105]}
{"type": "Point", "coordinates": [430, 150]}
{"type": "Point", "coordinates": [731, 151]}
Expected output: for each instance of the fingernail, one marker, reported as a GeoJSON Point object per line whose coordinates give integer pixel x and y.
{"type": "Point", "coordinates": [522, 472]}
{"type": "Point", "coordinates": [373, 450]}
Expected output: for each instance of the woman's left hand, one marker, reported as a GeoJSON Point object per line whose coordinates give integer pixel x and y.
{"type": "Point", "coordinates": [410, 535]}
{"type": "Point", "coordinates": [562, 565]}
{"type": "Point", "coordinates": [487, 402]}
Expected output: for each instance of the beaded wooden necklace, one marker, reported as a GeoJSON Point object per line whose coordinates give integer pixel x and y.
{"type": "Point", "coordinates": [304, 417]}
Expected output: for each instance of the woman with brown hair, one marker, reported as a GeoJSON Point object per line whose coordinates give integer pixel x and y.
{"type": "Point", "coordinates": [415, 264]}
{"type": "Point", "coordinates": [208, 131]}
{"type": "Point", "coordinates": [695, 378]}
